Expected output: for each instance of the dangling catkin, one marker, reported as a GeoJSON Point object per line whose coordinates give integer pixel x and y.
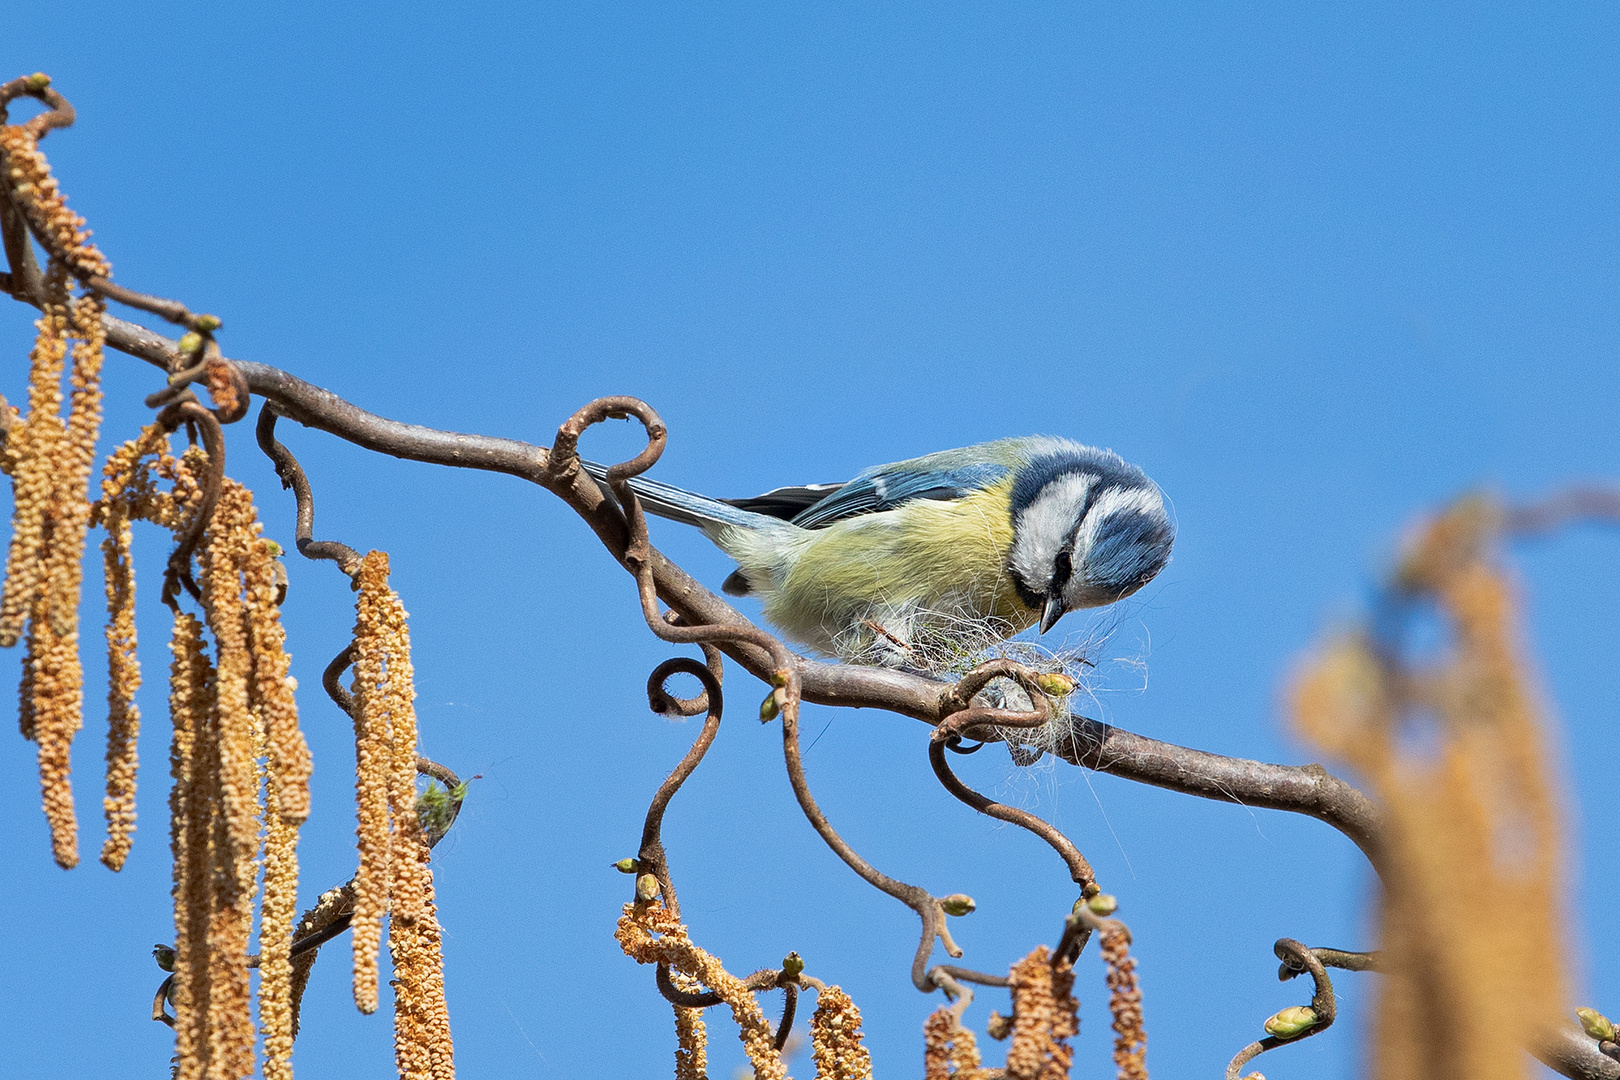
{"type": "Point", "coordinates": [950, 1051]}
{"type": "Point", "coordinates": [1471, 912]}
{"type": "Point", "coordinates": [835, 1038]}
{"type": "Point", "coordinates": [52, 461]}
{"type": "Point", "coordinates": [650, 934]}
{"type": "Point", "coordinates": [127, 492]}
{"type": "Point", "coordinates": [1044, 1016]}
{"type": "Point", "coordinates": [193, 761]}
{"type": "Point", "coordinates": [394, 875]}
{"type": "Point", "coordinates": [691, 1035]}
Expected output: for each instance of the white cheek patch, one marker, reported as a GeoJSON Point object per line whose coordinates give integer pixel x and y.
{"type": "Point", "coordinates": [1043, 528]}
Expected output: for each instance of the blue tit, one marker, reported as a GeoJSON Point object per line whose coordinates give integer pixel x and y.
{"type": "Point", "coordinates": [972, 545]}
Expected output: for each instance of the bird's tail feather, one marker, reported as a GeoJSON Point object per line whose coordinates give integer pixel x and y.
{"type": "Point", "coordinates": [686, 507]}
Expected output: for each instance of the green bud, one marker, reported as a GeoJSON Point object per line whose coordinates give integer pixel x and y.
{"type": "Point", "coordinates": [792, 965]}
{"type": "Point", "coordinates": [189, 342]}
{"type": "Point", "coordinates": [276, 550]}
{"type": "Point", "coordinates": [1055, 683]}
{"type": "Point", "coordinates": [38, 81]}
{"type": "Point", "coordinates": [778, 678]}
{"type": "Point", "coordinates": [164, 955]}
{"type": "Point", "coordinates": [1103, 905]}
{"type": "Point", "coordinates": [647, 887]}
{"type": "Point", "coordinates": [627, 866]}
{"type": "Point", "coordinates": [1292, 1021]}
{"type": "Point", "coordinates": [208, 323]}
{"type": "Point", "coordinates": [770, 708]}
{"type": "Point", "coordinates": [957, 904]}
{"type": "Point", "coordinates": [1597, 1025]}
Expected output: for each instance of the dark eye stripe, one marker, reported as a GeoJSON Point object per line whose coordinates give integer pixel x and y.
{"type": "Point", "coordinates": [1063, 569]}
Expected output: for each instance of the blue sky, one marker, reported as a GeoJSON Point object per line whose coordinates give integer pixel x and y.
{"type": "Point", "coordinates": [1316, 268]}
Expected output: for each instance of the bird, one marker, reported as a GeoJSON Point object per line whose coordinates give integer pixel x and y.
{"type": "Point", "coordinates": [950, 551]}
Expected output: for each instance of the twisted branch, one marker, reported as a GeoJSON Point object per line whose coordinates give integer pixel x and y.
{"type": "Point", "coordinates": [292, 478]}
{"type": "Point", "coordinates": [1295, 958]}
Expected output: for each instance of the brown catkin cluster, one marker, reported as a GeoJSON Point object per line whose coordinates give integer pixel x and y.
{"type": "Point", "coordinates": [1124, 1004]}
{"type": "Point", "coordinates": [835, 1038]}
{"type": "Point", "coordinates": [691, 1035]}
{"type": "Point", "coordinates": [1045, 1015]}
{"type": "Point", "coordinates": [226, 715]}
{"type": "Point", "coordinates": [394, 874]}
{"type": "Point", "coordinates": [35, 191]}
{"type": "Point", "coordinates": [40, 601]}
{"type": "Point", "coordinates": [422, 1046]}
{"type": "Point", "coordinates": [650, 934]}
{"type": "Point", "coordinates": [126, 491]}
{"type": "Point", "coordinates": [949, 1049]}
{"type": "Point", "coordinates": [1471, 918]}
{"type": "Point", "coordinates": [51, 459]}
{"type": "Point", "coordinates": [193, 761]}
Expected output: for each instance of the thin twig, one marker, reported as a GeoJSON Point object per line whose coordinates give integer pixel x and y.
{"type": "Point", "coordinates": [293, 477]}
{"type": "Point", "coordinates": [1293, 955]}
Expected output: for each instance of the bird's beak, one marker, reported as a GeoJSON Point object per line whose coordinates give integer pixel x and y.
{"type": "Point", "coordinates": [1053, 612]}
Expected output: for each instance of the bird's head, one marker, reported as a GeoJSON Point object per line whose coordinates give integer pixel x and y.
{"type": "Point", "coordinates": [1088, 529]}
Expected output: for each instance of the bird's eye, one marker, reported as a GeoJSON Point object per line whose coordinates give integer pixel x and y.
{"type": "Point", "coordinates": [1062, 569]}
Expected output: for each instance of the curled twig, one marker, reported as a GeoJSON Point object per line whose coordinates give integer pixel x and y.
{"type": "Point", "coordinates": [764, 979]}
{"type": "Point", "coordinates": [1291, 968]}
{"type": "Point", "coordinates": [651, 854]}
{"type": "Point", "coordinates": [293, 477]}
{"type": "Point", "coordinates": [1079, 869]}
{"type": "Point", "coordinates": [640, 559]}
{"type": "Point", "coordinates": [1562, 508]}
{"type": "Point", "coordinates": [331, 680]}
{"type": "Point", "coordinates": [178, 572]}
{"type": "Point", "coordinates": [1322, 1009]}
{"type": "Point", "coordinates": [790, 1005]}
{"type": "Point", "coordinates": [37, 86]}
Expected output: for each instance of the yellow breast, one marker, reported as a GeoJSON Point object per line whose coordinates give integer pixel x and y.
{"type": "Point", "coordinates": [944, 556]}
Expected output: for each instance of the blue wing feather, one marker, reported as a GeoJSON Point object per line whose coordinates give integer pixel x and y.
{"type": "Point", "coordinates": [889, 486]}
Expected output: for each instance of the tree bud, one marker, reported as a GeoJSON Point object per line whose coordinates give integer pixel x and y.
{"type": "Point", "coordinates": [998, 1027]}
{"type": "Point", "coordinates": [770, 708]}
{"type": "Point", "coordinates": [792, 965]}
{"type": "Point", "coordinates": [1103, 905]}
{"type": "Point", "coordinates": [647, 886]}
{"type": "Point", "coordinates": [164, 955]}
{"type": "Point", "coordinates": [1055, 683]}
{"type": "Point", "coordinates": [957, 904]}
{"type": "Point", "coordinates": [1292, 1021]}
{"type": "Point", "coordinates": [627, 866]}
{"type": "Point", "coordinates": [1597, 1025]}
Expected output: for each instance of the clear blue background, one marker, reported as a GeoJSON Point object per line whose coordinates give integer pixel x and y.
{"type": "Point", "coordinates": [1316, 269]}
